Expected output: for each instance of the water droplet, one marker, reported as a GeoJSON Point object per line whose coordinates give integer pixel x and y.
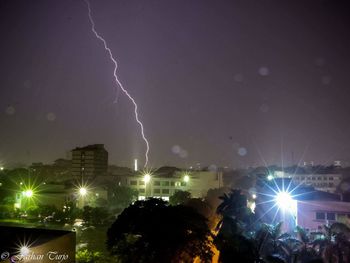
{"type": "Point", "coordinates": [10, 110]}
{"type": "Point", "coordinates": [183, 153]}
{"type": "Point", "coordinates": [264, 71]}
{"type": "Point", "coordinates": [51, 116]}
{"type": "Point", "coordinates": [176, 149]}
{"type": "Point", "coordinates": [242, 151]}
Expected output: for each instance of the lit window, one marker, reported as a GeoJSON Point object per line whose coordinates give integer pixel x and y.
{"type": "Point", "coordinates": [172, 183]}
{"type": "Point", "coordinates": [330, 178]}
{"type": "Point", "coordinates": [133, 182]}
{"type": "Point", "coordinates": [166, 183]}
{"type": "Point", "coordinates": [157, 183]}
{"type": "Point", "coordinates": [157, 191]}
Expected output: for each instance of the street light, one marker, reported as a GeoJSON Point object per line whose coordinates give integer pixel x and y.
{"type": "Point", "coordinates": [24, 251]}
{"type": "Point", "coordinates": [147, 178]}
{"type": "Point", "coordinates": [284, 200]}
{"type": "Point", "coordinates": [82, 191]}
{"type": "Point", "coordinates": [270, 177]}
{"type": "Point", "coordinates": [28, 193]}
{"type": "Point", "coordinates": [186, 178]}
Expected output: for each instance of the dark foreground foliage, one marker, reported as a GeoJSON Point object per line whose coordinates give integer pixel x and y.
{"type": "Point", "coordinates": [153, 231]}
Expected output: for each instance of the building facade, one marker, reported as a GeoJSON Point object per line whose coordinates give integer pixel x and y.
{"type": "Point", "coordinates": [89, 162]}
{"type": "Point", "coordinates": [197, 183]}
{"type": "Point", "coordinates": [312, 215]}
{"type": "Point", "coordinates": [321, 182]}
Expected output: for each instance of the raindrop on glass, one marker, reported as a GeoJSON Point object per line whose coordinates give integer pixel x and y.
{"type": "Point", "coordinates": [264, 71]}
{"type": "Point", "coordinates": [51, 116]}
{"type": "Point", "coordinates": [10, 110]}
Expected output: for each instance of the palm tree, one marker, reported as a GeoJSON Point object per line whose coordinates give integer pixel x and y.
{"type": "Point", "coordinates": [232, 240]}
{"type": "Point", "coordinates": [334, 245]}
{"type": "Point", "coordinates": [270, 241]}
{"type": "Point", "coordinates": [304, 252]}
{"type": "Point", "coordinates": [234, 212]}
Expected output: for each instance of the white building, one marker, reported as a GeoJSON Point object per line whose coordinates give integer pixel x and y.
{"type": "Point", "coordinates": [197, 183]}
{"type": "Point", "coordinates": [312, 215]}
{"type": "Point", "coordinates": [321, 182]}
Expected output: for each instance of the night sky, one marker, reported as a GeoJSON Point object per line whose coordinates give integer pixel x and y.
{"type": "Point", "coordinates": [225, 83]}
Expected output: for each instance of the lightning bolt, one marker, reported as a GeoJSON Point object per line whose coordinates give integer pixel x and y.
{"type": "Point", "coordinates": [98, 36]}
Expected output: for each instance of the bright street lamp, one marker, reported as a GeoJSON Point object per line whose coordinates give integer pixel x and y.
{"type": "Point", "coordinates": [28, 193]}
{"type": "Point", "coordinates": [147, 178]}
{"type": "Point", "coordinates": [186, 178]}
{"type": "Point", "coordinates": [284, 200]}
{"type": "Point", "coordinates": [24, 251]}
{"type": "Point", "coordinates": [82, 191]}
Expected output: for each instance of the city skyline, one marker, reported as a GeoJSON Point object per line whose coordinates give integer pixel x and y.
{"type": "Point", "coordinates": [228, 84]}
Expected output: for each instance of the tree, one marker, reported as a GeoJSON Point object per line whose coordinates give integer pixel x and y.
{"type": "Point", "coordinates": [271, 242]}
{"type": "Point", "coordinates": [121, 197]}
{"type": "Point", "coordinates": [234, 208]}
{"type": "Point", "coordinates": [334, 245]}
{"type": "Point", "coordinates": [203, 208]}
{"type": "Point", "coordinates": [95, 215]}
{"type": "Point", "coordinates": [232, 239]}
{"type": "Point", "coordinates": [153, 231]}
{"type": "Point", "coordinates": [179, 197]}
{"type": "Point", "coordinates": [86, 256]}
{"type": "Point", "coordinates": [213, 196]}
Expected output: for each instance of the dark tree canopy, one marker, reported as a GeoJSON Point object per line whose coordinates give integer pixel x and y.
{"type": "Point", "coordinates": [121, 196]}
{"type": "Point", "coordinates": [179, 197]}
{"type": "Point", "coordinates": [153, 231]}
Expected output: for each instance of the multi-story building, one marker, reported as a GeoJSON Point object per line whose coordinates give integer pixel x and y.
{"type": "Point", "coordinates": [161, 186]}
{"type": "Point", "coordinates": [280, 200]}
{"type": "Point", "coordinates": [89, 161]}
{"type": "Point", "coordinates": [312, 215]}
{"type": "Point", "coordinates": [321, 182]}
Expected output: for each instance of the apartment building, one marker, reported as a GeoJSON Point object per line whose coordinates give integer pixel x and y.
{"type": "Point", "coordinates": [89, 161]}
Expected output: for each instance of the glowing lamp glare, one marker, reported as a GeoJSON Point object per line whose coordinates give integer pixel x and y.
{"type": "Point", "coordinates": [82, 191]}
{"type": "Point", "coordinates": [284, 200]}
{"type": "Point", "coordinates": [147, 178]}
